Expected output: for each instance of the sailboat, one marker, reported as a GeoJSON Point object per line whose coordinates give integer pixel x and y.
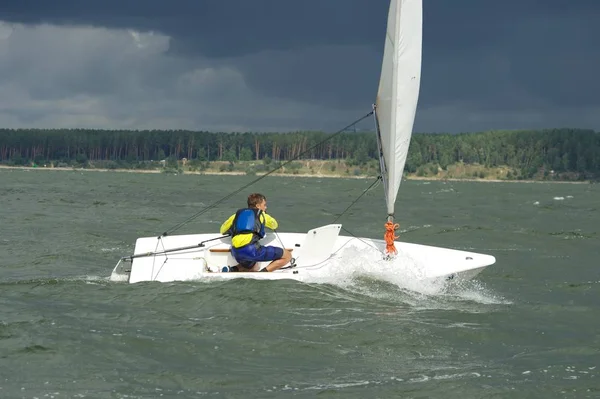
{"type": "Point", "coordinates": [317, 252]}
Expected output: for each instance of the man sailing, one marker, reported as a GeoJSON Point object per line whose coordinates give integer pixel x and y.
{"type": "Point", "coordinates": [247, 227]}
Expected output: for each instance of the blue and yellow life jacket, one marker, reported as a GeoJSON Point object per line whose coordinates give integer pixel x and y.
{"type": "Point", "coordinates": [248, 220]}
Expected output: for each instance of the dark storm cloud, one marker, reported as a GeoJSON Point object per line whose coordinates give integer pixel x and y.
{"type": "Point", "coordinates": [486, 64]}
{"type": "Point", "coordinates": [222, 28]}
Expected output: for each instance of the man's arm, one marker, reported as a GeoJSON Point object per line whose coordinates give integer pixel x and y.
{"type": "Point", "coordinates": [270, 221]}
{"type": "Point", "coordinates": [227, 225]}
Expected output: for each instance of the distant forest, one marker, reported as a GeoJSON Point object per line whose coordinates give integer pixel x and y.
{"type": "Point", "coordinates": [572, 154]}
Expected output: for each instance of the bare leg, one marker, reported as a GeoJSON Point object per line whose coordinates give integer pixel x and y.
{"type": "Point", "coordinates": [279, 263]}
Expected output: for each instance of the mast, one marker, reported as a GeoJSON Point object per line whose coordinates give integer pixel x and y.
{"type": "Point", "coordinates": [397, 98]}
{"type": "Point", "coordinates": [382, 166]}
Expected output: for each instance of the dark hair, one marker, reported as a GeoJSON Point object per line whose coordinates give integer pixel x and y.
{"type": "Point", "coordinates": [255, 199]}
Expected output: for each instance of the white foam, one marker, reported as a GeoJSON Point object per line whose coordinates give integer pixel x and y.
{"type": "Point", "coordinates": [456, 376]}
{"type": "Point", "coordinates": [414, 228]}
{"type": "Point", "coordinates": [361, 270]}
{"type": "Point", "coordinates": [110, 249]}
{"type": "Point", "coordinates": [476, 291]}
{"type": "Point", "coordinates": [403, 271]}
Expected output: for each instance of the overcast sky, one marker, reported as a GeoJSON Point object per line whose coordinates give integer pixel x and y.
{"type": "Point", "coordinates": [280, 65]}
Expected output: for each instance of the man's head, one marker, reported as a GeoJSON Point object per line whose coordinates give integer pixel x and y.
{"type": "Point", "coordinates": [257, 201]}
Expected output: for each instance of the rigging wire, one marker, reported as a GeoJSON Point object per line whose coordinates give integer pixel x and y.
{"type": "Point", "coordinates": [167, 251]}
{"type": "Point", "coordinates": [214, 204]}
{"type": "Point", "coordinates": [358, 198]}
{"type": "Point", "coordinates": [374, 184]}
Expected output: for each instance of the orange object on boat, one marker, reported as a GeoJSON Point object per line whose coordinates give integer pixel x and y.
{"type": "Point", "coordinates": [390, 236]}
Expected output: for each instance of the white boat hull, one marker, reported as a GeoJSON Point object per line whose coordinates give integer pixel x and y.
{"type": "Point", "coordinates": [318, 254]}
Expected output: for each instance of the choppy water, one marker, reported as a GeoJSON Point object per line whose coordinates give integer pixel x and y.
{"type": "Point", "coordinates": [529, 326]}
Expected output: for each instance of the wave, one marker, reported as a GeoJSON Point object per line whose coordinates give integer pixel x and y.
{"type": "Point", "coordinates": [401, 281]}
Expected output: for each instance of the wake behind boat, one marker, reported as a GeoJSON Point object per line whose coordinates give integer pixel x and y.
{"type": "Point", "coordinates": [317, 253]}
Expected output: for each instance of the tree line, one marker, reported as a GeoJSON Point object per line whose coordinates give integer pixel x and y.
{"type": "Point", "coordinates": [567, 151]}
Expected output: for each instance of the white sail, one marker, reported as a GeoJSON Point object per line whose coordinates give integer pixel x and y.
{"type": "Point", "coordinates": [399, 89]}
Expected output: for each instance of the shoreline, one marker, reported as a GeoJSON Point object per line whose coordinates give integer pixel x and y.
{"type": "Point", "coordinates": [158, 171]}
{"type": "Point", "coordinates": [332, 176]}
